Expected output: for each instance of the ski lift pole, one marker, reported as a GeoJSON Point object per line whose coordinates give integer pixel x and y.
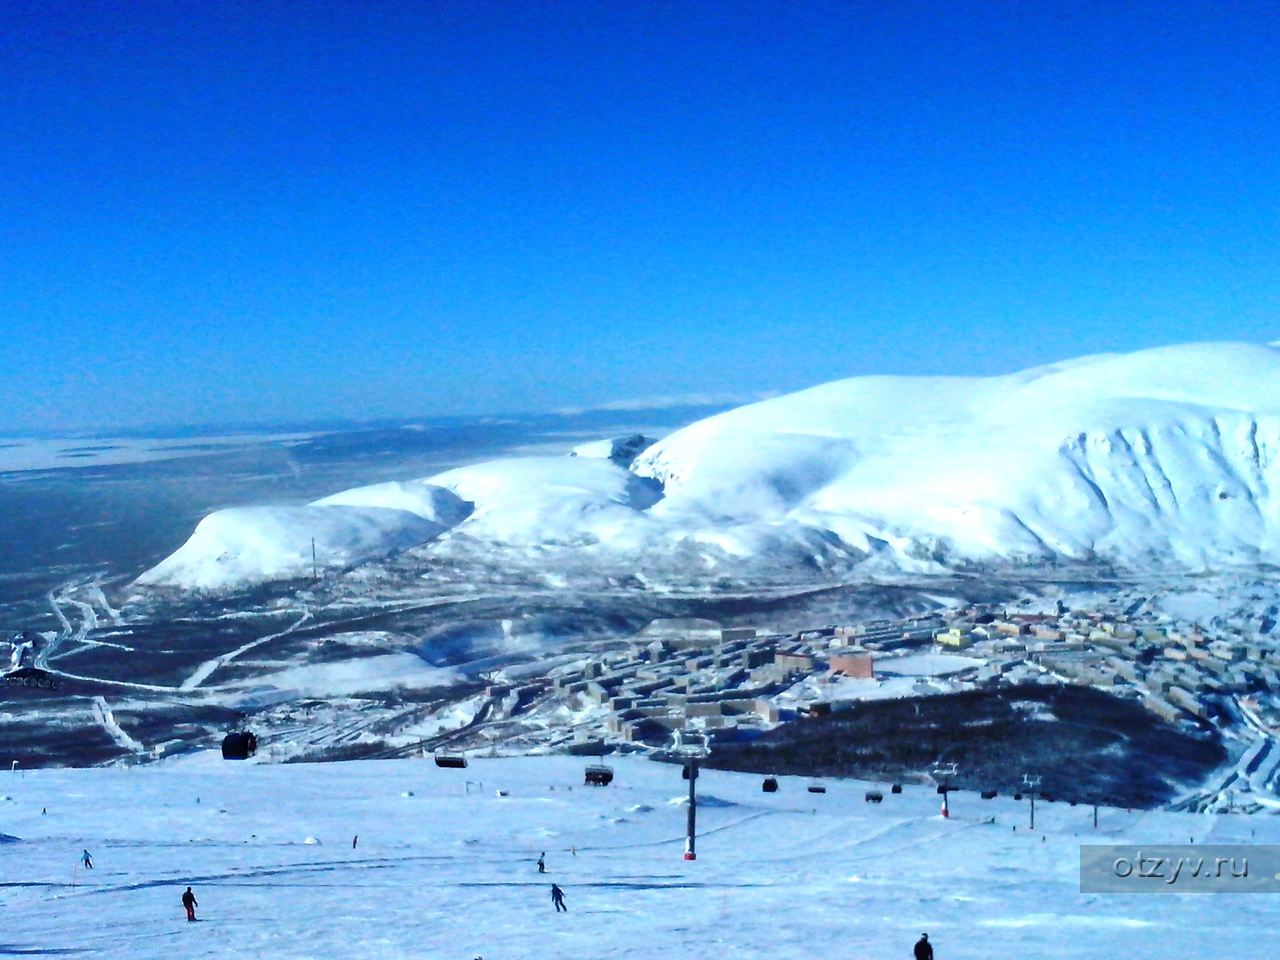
{"type": "Point", "coordinates": [944, 773]}
{"type": "Point", "coordinates": [1031, 783]}
{"type": "Point", "coordinates": [691, 833]}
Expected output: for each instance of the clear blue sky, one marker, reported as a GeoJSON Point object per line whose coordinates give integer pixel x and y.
{"type": "Point", "coordinates": [269, 211]}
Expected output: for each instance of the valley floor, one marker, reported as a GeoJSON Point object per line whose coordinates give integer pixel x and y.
{"type": "Point", "coordinates": [445, 867]}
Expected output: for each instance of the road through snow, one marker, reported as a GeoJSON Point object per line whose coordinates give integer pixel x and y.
{"type": "Point", "coordinates": [206, 669]}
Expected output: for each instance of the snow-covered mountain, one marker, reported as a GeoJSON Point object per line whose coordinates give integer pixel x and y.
{"type": "Point", "coordinates": [243, 545]}
{"type": "Point", "coordinates": [621, 450]}
{"type": "Point", "coordinates": [1165, 454]}
{"type": "Point", "coordinates": [1164, 457]}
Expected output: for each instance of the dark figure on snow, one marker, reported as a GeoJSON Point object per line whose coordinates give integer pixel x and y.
{"type": "Point", "coordinates": [557, 898]}
{"type": "Point", "coordinates": [354, 841]}
{"type": "Point", "coordinates": [189, 901]}
{"type": "Point", "coordinates": [86, 860]}
{"type": "Point", "coordinates": [924, 949]}
{"type": "Point", "coordinates": [542, 862]}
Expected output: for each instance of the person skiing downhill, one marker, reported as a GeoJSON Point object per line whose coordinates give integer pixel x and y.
{"type": "Point", "coordinates": [189, 901]}
{"type": "Point", "coordinates": [923, 948]}
{"type": "Point", "coordinates": [86, 860]}
{"type": "Point", "coordinates": [542, 862]}
{"type": "Point", "coordinates": [557, 898]}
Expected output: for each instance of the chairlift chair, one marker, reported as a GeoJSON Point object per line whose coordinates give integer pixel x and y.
{"type": "Point", "coordinates": [239, 745]}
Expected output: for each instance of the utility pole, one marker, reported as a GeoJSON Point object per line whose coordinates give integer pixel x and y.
{"type": "Point", "coordinates": [944, 773]}
{"type": "Point", "coordinates": [691, 830]}
{"type": "Point", "coordinates": [691, 754]}
{"type": "Point", "coordinates": [1030, 783]}
{"type": "Point", "coordinates": [1095, 816]}
{"type": "Point", "coordinates": [314, 575]}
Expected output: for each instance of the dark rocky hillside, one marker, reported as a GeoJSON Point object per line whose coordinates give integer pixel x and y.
{"type": "Point", "coordinates": [1087, 745]}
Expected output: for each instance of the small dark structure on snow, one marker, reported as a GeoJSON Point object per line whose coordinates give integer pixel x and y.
{"type": "Point", "coordinates": [817, 788]}
{"type": "Point", "coordinates": [896, 788]}
{"type": "Point", "coordinates": [770, 785]}
{"type": "Point", "coordinates": [239, 745]}
{"type": "Point", "coordinates": [988, 794]}
{"type": "Point", "coordinates": [451, 761]}
{"type": "Point", "coordinates": [599, 775]}
{"type": "Point", "coordinates": [873, 796]}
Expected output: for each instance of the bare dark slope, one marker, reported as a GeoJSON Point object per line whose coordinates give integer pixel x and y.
{"type": "Point", "coordinates": [1088, 746]}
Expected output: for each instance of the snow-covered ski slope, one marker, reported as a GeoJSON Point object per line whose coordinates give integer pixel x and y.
{"type": "Point", "coordinates": [1161, 458]}
{"type": "Point", "coordinates": [442, 873]}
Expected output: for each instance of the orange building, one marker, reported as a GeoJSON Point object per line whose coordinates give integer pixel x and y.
{"type": "Point", "coordinates": [859, 665]}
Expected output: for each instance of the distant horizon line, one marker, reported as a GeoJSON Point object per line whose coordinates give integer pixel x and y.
{"type": "Point", "coordinates": [165, 431]}
{"type": "Point", "coordinates": [655, 402]}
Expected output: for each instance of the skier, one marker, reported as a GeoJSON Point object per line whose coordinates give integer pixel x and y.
{"type": "Point", "coordinates": [923, 949]}
{"type": "Point", "coordinates": [86, 860]}
{"type": "Point", "coordinates": [189, 901]}
{"type": "Point", "coordinates": [557, 897]}
{"type": "Point", "coordinates": [542, 862]}
{"type": "Point", "coordinates": [354, 841]}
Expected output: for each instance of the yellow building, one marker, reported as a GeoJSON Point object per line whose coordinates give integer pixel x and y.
{"type": "Point", "coordinates": [955, 639]}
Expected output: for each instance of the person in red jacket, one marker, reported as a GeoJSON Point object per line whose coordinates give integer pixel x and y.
{"type": "Point", "coordinates": [189, 901]}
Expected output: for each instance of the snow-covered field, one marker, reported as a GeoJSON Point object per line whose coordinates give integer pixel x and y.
{"type": "Point", "coordinates": [441, 872]}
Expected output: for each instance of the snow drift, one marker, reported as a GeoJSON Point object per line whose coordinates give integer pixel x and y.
{"type": "Point", "coordinates": [1164, 457]}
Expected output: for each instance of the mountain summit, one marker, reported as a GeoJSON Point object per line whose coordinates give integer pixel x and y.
{"type": "Point", "coordinates": [1160, 458]}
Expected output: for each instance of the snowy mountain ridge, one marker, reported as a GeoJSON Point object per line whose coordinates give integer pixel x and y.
{"type": "Point", "coordinates": [1164, 457]}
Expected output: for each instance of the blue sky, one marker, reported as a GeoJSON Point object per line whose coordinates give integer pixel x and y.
{"type": "Point", "coordinates": [272, 211]}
